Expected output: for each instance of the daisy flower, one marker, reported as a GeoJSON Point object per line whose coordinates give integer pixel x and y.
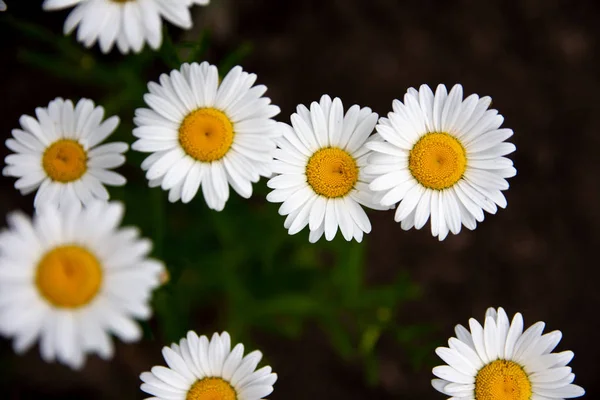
{"type": "Point", "coordinates": [202, 133]}
{"type": "Point", "coordinates": [320, 167]}
{"type": "Point", "coordinates": [58, 155]}
{"type": "Point", "coordinates": [128, 23]}
{"type": "Point", "coordinates": [441, 157]}
{"type": "Point", "coordinates": [200, 369]}
{"type": "Point", "coordinates": [70, 278]}
{"type": "Point", "coordinates": [501, 362]}
{"type": "Point", "coordinates": [2, 6]}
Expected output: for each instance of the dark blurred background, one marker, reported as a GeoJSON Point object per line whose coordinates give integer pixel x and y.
{"type": "Point", "coordinates": [537, 59]}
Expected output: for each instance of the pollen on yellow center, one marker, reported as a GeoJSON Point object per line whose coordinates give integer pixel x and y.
{"type": "Point", "coordinates": [65, 161]}
{"type": "Point", "coordinates": [331, 172]}
{"type": "Point", "coordinates": [437, 161]}
{"type": "Point", "coordinates": [68, 276]}
{"type": "Point", "coordinates": [211, 389]}
{"type": "Point", "coordinates": [502, 380]}
{"type": "Point", "coordinates": [206, 134]}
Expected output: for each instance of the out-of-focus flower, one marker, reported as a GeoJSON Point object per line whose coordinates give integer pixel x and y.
{"type": "Point", "coordinates": [70, 278]}
{"type": "Point", "coordinates": [128, 23]}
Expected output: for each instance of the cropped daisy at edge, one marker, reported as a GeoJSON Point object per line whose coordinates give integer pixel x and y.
{"type": "Point", "coordinates": [206, 135]}
{"type": "Point", "coordinates": [320, 170]}
{"type": "Point", "coordinates": [441, 158]}
{"type": "Point", "coordinates": [203, 369]}
{"type": "Point", "coordinates": [72, 277]}
{"type": "Point", "coordinates": [59, 153]}
{"type": "Point", "coordinates": [127, 23]}
{"type": "Point", "coordinates": [500, 361]}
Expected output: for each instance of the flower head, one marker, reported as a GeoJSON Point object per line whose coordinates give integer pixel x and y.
{"type": "Point", "coordinates": [501, 362]}
{"type": "Point", "coordinates": [320, 170]}
{"type": "Point", "coordinates": [128, 23]}
{"type": "Point", "coordinates": [203, 369]}
{"type": "Point", "coordinates": [70, 278]}
{"type": "Point", "coordinates": [205, 134]}
{"type": "Point", "coordinates": [59, 153]}
{"type": "Point", "coordinates": [442, 158]}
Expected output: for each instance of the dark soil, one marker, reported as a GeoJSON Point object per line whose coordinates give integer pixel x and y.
{"type": "Point", "coordinates": [539, 61]}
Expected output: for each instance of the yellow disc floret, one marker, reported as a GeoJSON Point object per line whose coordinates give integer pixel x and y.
{"type": "Point", "coordinates": [211, 389]}
{"type": "Point", "coordinates": [331, 172]}
{"type": "Point", "coordinates": [502, 380]}
{"type": "Point", "coordinates": [437, 161]}
{"type": "Point", "coordinates": [206, 134]}
{"type": "Point", "coordinates": [65, 160]}
{"type": "Point", "coordinates": [68, 276]}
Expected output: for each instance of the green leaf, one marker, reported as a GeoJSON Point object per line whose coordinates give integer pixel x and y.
{"type": "Point", "coordinates": [62, 44]}
{"type": "Point", "coordinates": [339, 338]}
{"type": "Point", "coordinates": [168, 52]}
{"type": "Point", "coordinates": [348, 273]}
{"type": "Point", "coordinates": [369, 339]}
{"type": "Point", "coordinates": [235, 58]}
{"type": "Point", "coordinates": [372, 369]}
{"type": "Point", "coordinates": [197, 48]}
{"type": "Point", "coordinates": [288, 304]}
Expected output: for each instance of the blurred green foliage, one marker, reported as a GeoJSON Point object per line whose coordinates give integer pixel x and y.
{"type": "Point", "coordinates": [240, 263]}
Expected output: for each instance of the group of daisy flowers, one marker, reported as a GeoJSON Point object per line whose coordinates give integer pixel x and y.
{"type": "Point", "coordinates": [71, 276]}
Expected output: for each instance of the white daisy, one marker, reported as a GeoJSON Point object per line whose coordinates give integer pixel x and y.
{"type": "Point", "coordinates": [203, 370]}
{"type": "Point", "coordinates": [58, 155]}
{"type": "Point", "coordinates": [320, 165]}
{"type": "Point", "coordinates": [501, 362]}
{"type": "Point", "coordinates": [2, 6]}
{"type": "Point", "coordinates": [203, 132]}
{"type": "Point", "coordinates": [441, 156]}
{"type": "Point", "coordinates": [70, 278]}
{"type": "Point", "coordinates": [129, 23]}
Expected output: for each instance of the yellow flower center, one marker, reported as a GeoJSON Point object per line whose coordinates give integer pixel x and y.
{"type": "Point", "coordinates": [331, 172]}
{"type": "Point", "coordinates": [437, 161]}
{"type": "Point", "coordinates": [206, 134]}
{"type": "Point", "coordinates": [65, 160]}
{"type": "Point", "coordinates": [69, 276]}
{"type": "Point", "coordinates": [121, 1]}
{"type": "Point", "coordinates": [211, 389]}
{"type": "Point", "coordinates": [502, 380]}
